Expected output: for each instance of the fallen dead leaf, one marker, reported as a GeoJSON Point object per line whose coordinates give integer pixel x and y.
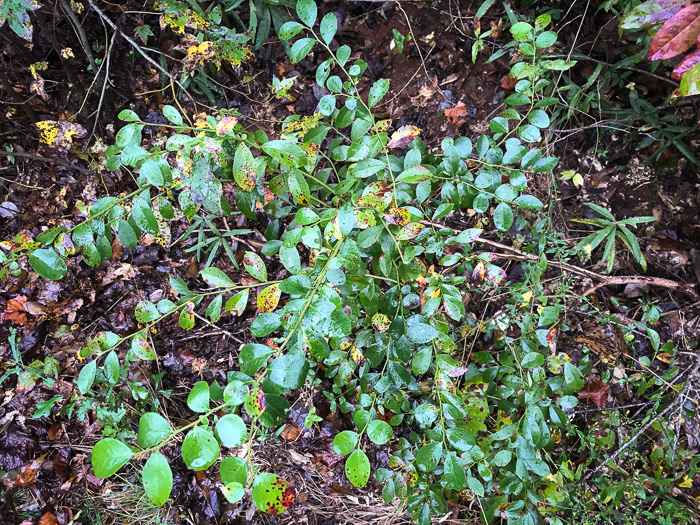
{"type": "Point", "coordinates": [15, 310]}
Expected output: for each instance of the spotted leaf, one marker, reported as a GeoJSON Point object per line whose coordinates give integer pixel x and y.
{"type": "Point", "coordinates": [272, 494]}
{"type": "Point", "coordinates": [398, 216]}
{"type": "Point", "coordinates": [237, 303]}
{"type": "Point", "coordinates": [186, 319]}
{"type": "Point", "coordinates": [226, 125]}
{"type": "Point", "coordinates": [244, 168]}
{"type": "Point", "coordinates": [410, 231]}
{"type": "Point", "coordinates": [365, 219]}
{"type": "Point", "coordinates": [495, 274]}
{"type": "Point", "coordinates": [59, 133]}
{"type": "Point", "coordinates": [255, 403]}
{"type": "Point", "coordinates": [380, 322]}
{"type": "Point", "coordinates": [269, 298]}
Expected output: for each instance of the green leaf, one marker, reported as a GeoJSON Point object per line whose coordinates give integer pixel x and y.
{"type": "Point", "coordinates": [111, 367]}
{"type": "Point", "coordinates": [327, 104]}
{"type": "Point", "coordinates": [428, 457]}
{"type": "Point", "coordinates": [300, 49]}
{"type": "Point", "coordinates": [87, 377]}
{"type": "Point", "coordinates": [307, 10]}
{"type": "Point", "coordinates": [126, 233]}
{"type": "Point", "coordinates": [231, 431]}
{"type": "Point", "coordinates": [153, 429]}
{"type": "Point", "coordinates": [345, 442]}
{"type": "Point", "coordinates": [233, 492]}
{"type": "Point", "coordinates": [299, 188]}
{"type": "Point", "coordinates": [289, 257]}
{"type": "Point", "coordinates": [213, 311]}
{"type": "Point", "coordinates": [528, 202]}
{"type": "Point", "coordinates": [235, 393]}
{"type": "Point", "coordinates": [475, 485]}
{"type": "Point", "coordinates": [141, 348]}
{"type": "Point", "coordinates": [453, 477]}
{"type": "Point", "coordinates": [198, 400]}
{"type": "Point", "coordinates": [265, 324]}
{"type": "Point", "coordinates": [288, 371]}
{"type": "Point", "coordinates": [328, 27]}
{"type": "Point", "coordinates": [605, 213]}
{"type": "Point", "coordinates": [419, 331]}
{"type": "Point", "coordinates": [172, 114]}
{"type": "Point", "coordinates": [503, 217]}
{"type": "Point", "coordinates": [342, 54]}
{"type": "Point", "coordinates": [539, 118]}
{"type": "Point", "coordinates": [245, 168]}
{"type": "Point", "coordinates": [499, 125]}
{"type": "Point", "coordinates": [377, 91]}
{"type": "Point", "coordinates": [216, 278]}
{"type": "Point", "coordinates": [108, 456]}
{"type": "Point", "coordinates": [573, 377]}
{"type": "Point", "coordinates": [357, 468]}
{"type": "Point", "coordinates": [532, 360]}
{"type": "Point", "coordinates": [272, 494]}
{"type": "Point", "coordinates": [146, 312]}
{"type": "Point", "coordinates": [421, 361]}
{"type": "Point", "coordinates": [529, 133]}
{"type": "Point", "coordinates": [48, 264]}
{"type": "Point", "coordinates": [200, 449]}
{"type": "Point", "coordinates": [143, 217]}
{"type": "Point", "coordinates": [151, 170]}
{"type": "Point", "coordinates": [234, 470]}
{"type": "Point", "coordinates": [502, 458]}
{"type": "Point", "coordinates": [379, 432]}
{"type": "Point", "coordinates": [157, 478]}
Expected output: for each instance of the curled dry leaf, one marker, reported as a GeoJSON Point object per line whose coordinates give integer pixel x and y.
{"type": "Point", "coordinates": [403, 136]}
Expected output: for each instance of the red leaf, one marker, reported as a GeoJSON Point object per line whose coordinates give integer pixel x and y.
{"type": "Point", "coordinates": [677, 34]}
{"type": "Point", "coordinates": [597, 392]}
{"type": "Point", "coordinates": [687, 63]}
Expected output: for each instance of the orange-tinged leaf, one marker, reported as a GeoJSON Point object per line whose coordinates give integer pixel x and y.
{"type": "Point", "coordinates": [255, 403]}
{"type": "Point", "coordinates": [552, 340]}
{"type": "Point", "coordinates": [48, 519]}
{"type": "Point", "coordinates": [454, 114]}
{"type": "Point", "coordinates": [478, 273]}
{"type": "Point", "coordinates": [225, 125]}
{"type": "Point", "coordinates": [403, 136]}
{"type": "Point", "coordinates": [398, 216]}
{"type": "Point", "coordinates": [677, 34]}
{"type": "Point", "coordinates": [495, 274]}
{"type": "Point", "coordinates": [269, 298]}
{"type": "Point", "coordinates": [15, 311]}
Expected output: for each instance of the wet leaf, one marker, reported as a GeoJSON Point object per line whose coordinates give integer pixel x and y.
{"type": "Point", "coordinates": [233, 491]}
{"type": "Point", "coordinates": [108, 456]}
{"type": "Point", "coordinates": [153, 428]}
{"type": "Point", "coordinates": [231, 431]}
{"type": "Point", "coordinates": [157, 478]}
{"type": "Point", "coordinates": [200, 450]}
{"type": "Point", "coordinates": [272, 494]}
{"type": "Point", "coordinates": [689, 62]}
{"type": "Point", "coordinates": [650, 13]}
{"type": "Point", "coordinates": [380, 322]}
{"type": "Point", "coordinates": [234, 470]}
{"type": "Point", "coordinates": [48, 264]}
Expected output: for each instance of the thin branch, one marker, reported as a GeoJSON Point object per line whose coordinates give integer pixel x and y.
{"type": "Point", "coordinates": [45, 159]}
{"type": "Point", "coordinates": [81, 34]}
{"type": "Point", "coordinates": [140, 50]}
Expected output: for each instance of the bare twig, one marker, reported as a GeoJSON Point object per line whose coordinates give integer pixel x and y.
{"type": "Point", "coordinates": [140, 50]}
{"type": "Point", "coordinates": [81, 34]}
{"type": "Point", "coordinates": [104, 85]}
{"type": "Point", "coordinates": [639, 432]}
{"type": "Point", "coordinates": [45, 159]}
{"type": "Point", "coordinates": [16, 99]}
{"type": "Point", "coordinates": [602, 280]}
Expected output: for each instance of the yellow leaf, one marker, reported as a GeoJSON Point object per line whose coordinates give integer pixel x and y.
{"type": "Point", "coordinates": [526, 299]}
{"type": "Point", "coordinates": [686, 483]}
{"type": "Point", "coordinates": [269, 298]}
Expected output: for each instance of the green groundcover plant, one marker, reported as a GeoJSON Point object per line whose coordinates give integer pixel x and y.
{"type": "Point", "coordinates": [375, 297]}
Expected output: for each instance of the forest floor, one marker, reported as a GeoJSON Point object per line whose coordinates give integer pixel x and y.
{"type": "Point", "coordinates": [435, 86]}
